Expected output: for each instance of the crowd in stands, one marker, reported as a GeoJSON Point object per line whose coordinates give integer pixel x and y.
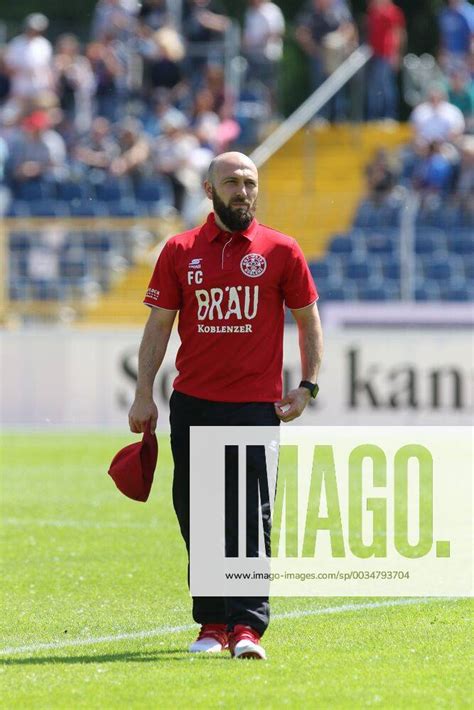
{"type": "Point", "coordinates": [147, 95]}
{"type": "Point", "coordinates": [126, 122]}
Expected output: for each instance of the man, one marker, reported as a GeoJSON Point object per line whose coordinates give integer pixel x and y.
{"type": "Point", "coordinates": [229, 280]}
{"type": "Point", "coordinates": [264, 27]}
{"type": "Point", "coordinates": [456, 29]}
{"type": "Point", "coordinates": [386, 37]}
{"type": "Point", "coordinates": [28, 59]}
{"type": "Point", "coordinates": [326, 32]}
{"type": "Point", "coordinates": [436, 119]}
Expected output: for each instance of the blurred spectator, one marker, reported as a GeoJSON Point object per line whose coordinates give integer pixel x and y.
{"type": "Point", "coordinates": [264, 27]}
{"type": "Point", "coordinates": [204, 22]}
{"type": "Point", "coordinates": [465, 182]}
{"type": "Point", "coordinates": [434, 172]}
{"type": "Point", "coordinates": [28, 59]}
{"type": "Point", "coordinates": [386, 37]}
{"type": "Point", "coordinates": [114, 16]}
{"type": "Point", "coordinates": [154, 14]}
{"type": "Point", "coordinates": [214, 80]}
{"type": "Point", "coordinates": [436, 119]}
{"type": "Point", "coordinates": [174, 154]}
{"type": "Point", "coordinates": [74, 81]}
{"type": "Point", "coordinates": [5, 83]}
{"type": "Point", "coordinates": [204, 121]}
{"type": "Point", "coordinates": [98, 148]}
{"type": "Point", "coordinates": [165, 70]}
{"type": "Point", "coordinates": [4, 191]}
{"type": "Point", "coordinates": [134, 147]}
{"type": "Point", "coordinates": [381, 175]}
{"type": "Point", "coordinates": [461, 95]}
{"type": "Point", "coordinates": [38, 153]}
{"type": "Point", "coordinates": [327, 34]}
{"type": "Point", "coordinates": [108, 62]}
{"type": "Point", "coordinates": [161, 109]}
{"type": "Point", "coordinates": [215, 132]}
{"type": "Point", "coordinates": [456, 27]}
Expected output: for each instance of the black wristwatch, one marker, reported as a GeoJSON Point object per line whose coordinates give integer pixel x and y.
{"type": "Point", "coordinates": [311, 386]}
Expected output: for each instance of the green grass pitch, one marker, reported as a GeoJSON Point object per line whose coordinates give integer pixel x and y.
{"type": "Point", "coordinates": [94, 593]}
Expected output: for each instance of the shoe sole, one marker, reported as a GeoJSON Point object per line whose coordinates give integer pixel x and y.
{"type": "Point", "coordinates": [250, 655]}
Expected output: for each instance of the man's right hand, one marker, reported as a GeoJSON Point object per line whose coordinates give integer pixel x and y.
{"type": "Point", "coordinates": [142, 411]}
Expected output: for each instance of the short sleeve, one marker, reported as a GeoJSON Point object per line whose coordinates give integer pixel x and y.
{"type": "Point", "coordinates": [298, 286]}
{"type": "Point", "coordinates": [164, 290]}
{"type": "Point", "coordinates": [399, 17]}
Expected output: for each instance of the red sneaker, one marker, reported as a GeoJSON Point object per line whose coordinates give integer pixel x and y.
{"type": "Point", "coordinates": [212, 638]}
{"type": "Point", "coordinates": [244, 642]}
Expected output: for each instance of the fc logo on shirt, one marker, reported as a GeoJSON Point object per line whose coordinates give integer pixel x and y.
{"type": "Point", "coordinates": [253, 265]}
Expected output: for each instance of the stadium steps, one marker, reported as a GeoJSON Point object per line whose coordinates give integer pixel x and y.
{"type": "Point", "coordinates": [311, 187]}
{"type": "Point", "coordinates": [123, 304]}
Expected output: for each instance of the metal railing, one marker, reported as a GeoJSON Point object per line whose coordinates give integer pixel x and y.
{"type": "Point", "coordinates": [407, 246]}
{"type": "Point", "coordinates": [312, 105]}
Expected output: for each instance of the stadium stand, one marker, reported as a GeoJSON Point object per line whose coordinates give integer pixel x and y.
{"type": "Point", "coordinates": [105, 155]}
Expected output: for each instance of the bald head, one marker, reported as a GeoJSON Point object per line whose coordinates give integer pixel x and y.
{"type": "Point", "coordinates": [230, 162]}
{"type": "Point", "coordinates": [232, 185]}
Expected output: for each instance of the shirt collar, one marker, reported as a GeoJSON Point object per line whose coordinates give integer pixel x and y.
{"type": "Point", "coordinates": [211, 230]}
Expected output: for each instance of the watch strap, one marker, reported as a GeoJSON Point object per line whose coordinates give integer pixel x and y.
{"type": "Point", "coordinates": [311, 386]}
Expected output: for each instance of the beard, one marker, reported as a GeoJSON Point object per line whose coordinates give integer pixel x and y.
{"type": "Point", "coordinates": [236, 219]}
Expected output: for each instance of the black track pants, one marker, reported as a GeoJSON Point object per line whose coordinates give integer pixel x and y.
{"type": "Point", "coordinates": [186, 411]}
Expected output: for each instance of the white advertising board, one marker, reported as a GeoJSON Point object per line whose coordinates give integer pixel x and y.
{"type": "Point", "coordinates": [85, 379]}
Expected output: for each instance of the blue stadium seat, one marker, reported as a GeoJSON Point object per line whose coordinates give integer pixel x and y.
{"type": "Point", "coordinates": [359, 270]}
{"type": "Point", "coordinates": [451, 216]}
{"type": "Point", "coordinates": [391, 269]}
{"type": "Point", "coordinates": [88, 208]}
{"type": "Point", "coordinates": [380, 242]}
{"type": "Point", "coordinates": [49, 208]}
{"type": "Point", "coordinates": [157, 189]}
{"type": "Point", "coordinates": [469, 269]}
{"type": "Point", "coordinates": [341, 245]}
{"type": "Point", "coordinates": [126, 207]}
{"type": "Point", "coordinates": [97, 242]}
{"type": "Point", "coordinates": [69, 190]}
{"type": "Point", "coordinates": [19, 241]}
{"type": "Point", "coordinates": [72, 268]}
{"type": "Point", "coordinates": [321, 269]}
{"type": "Point", "coordinates": [335, 288]}
{"type": "Point", "coordinates": [427, 292]}
{"type": "Point", "coordinates": [382, 292]}
{"type": "Point", "coordinates": [462, 242]}
{"type": "Point", "coordinates": [113, 189]}
{"type": "Point", "coordinates": [18, 288]}
{"type": "Point", "coordinates": [458, 293]}
{"type": "Point", "coordinates": [440, 271]}
{"type": "Point", "coordinates": [335, 293]}
{"type": "Point", "coordinates": [45, 290]}
{"type": "Point", "coordinates": [35, 190]}
{"type": "Point", "coordinates": [18, 208]}
{"type": "Point", "coordinates": [369, 214]}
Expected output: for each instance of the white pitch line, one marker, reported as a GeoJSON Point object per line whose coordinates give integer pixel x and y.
{"type": "Point", "coordinates": [161, 631]}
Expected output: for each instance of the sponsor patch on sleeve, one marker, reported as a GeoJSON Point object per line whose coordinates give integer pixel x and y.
{"type": "Point", "coordinates": [152, 294]}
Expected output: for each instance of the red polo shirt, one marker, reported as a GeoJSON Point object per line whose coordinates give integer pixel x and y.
{"type": "Point", "coordinates": [383, 27]}
{"type": "Point", "coordinates": [230, 290]}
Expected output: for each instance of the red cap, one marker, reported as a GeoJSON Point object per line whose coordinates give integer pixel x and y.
{"type": "Point", "coordinates": [133, 467]}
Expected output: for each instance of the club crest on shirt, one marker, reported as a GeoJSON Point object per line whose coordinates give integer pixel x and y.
{"type": "Point", "coordinates": [253, 265]}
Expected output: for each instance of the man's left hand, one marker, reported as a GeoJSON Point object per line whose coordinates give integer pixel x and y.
{"type": "Point", "coordinates": [293, 404]}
